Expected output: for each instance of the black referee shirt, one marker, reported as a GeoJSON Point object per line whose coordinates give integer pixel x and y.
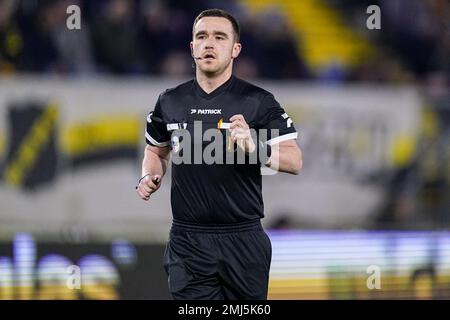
{"type": "Point", "coordinates": [217, 193]}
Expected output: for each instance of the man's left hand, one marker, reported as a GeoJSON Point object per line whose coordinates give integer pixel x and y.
{"type": "Point", "coordinates": [240, 133]}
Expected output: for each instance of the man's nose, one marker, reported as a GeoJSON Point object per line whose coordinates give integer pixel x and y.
{"type": "Point", "coordinates": [209, 44]}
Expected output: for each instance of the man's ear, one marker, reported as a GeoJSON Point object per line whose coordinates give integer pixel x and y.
{"type": "Point", "coordinates": [236, 50]}
{"type": "Point", "coordinates": [192, 48]}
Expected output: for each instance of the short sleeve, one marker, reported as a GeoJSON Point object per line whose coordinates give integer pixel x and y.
{"type": "Point", "coordinates": [272, 117]}
{"type": "Point", "coordinates": [156, 133]}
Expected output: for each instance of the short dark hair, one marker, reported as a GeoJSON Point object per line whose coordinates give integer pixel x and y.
{"type": "Point", "coordinates": [222, 14]}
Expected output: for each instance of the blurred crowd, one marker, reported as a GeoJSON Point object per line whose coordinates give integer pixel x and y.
{"type": "Point", "coordinates": [413, 43]}
{"type": "Point", "coordinates": [134, 38]}
{"type": "Point", "coordinates": [151, 37]}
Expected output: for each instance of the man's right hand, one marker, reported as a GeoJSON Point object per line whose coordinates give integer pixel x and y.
{"type": "Point", "coordinates": [148, 185]}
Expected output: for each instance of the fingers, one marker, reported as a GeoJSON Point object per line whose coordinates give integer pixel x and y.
{"type": "Point", "coordinates": [156, 179]}
{"type": "Point", "coordinates": [238, 124]}
{"type": "Point", "coordinates": [143, 194]}
{"type": "Point", "coordinates": [147, 186]}
{"type": "Point", "coordinates": [238, 121]}
{"type": "Point", "coordinates": [239, 134]}
{"type": "Point", "coordinates": [238, 128]}
{"type": "Point", "coordinates": [151, 183]}
{"type": "Point", "coordinates": [237, 117]}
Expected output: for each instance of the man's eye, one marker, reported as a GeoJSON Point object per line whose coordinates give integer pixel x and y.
{"type": "Point", "coordinates": [220, 38]}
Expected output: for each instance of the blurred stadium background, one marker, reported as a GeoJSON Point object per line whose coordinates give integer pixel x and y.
{"type": "Point", "coordinates": [372, 108]}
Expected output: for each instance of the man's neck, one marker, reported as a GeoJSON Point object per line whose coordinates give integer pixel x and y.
{"type": "Point", "coordinates": [209, 84]}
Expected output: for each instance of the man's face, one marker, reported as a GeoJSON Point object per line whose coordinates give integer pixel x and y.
{"type": "Point", "coordinates": [213, 41]}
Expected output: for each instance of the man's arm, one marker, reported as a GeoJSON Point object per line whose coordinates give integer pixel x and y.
{"type": "Point", "coordinates": [286, 157]}
{"type": "Point", "coordinates": [154, 166]}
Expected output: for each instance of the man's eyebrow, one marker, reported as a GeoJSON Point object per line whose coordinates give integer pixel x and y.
{"type": "Point", "coordinates": [221, 33]}
{"type": "Point", "coordinates": [200, 32]}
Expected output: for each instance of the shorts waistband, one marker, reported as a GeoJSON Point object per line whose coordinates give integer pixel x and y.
{"type": "Point", "coordinates": [218, 228]}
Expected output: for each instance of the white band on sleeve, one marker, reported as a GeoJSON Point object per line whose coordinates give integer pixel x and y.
{"type": "Point", "coordinates": [176, 126]}
{"type": "Point", "coordinates": [282, 138]}
{"type": "Point", "coordinates": [156, 143]}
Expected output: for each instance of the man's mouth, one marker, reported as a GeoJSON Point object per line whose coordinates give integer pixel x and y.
{"type": "Point", "coordinates": [209, 56]}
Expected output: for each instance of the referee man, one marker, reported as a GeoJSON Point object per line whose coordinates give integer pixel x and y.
{"type": "Point", "coordinates": [217, 248]}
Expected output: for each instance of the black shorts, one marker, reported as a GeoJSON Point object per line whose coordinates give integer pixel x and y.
{"type": "Point", "coordinates": [218, 262]}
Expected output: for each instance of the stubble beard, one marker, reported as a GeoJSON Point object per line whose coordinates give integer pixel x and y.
{"type": "Point", "coordinates": [217, 71]}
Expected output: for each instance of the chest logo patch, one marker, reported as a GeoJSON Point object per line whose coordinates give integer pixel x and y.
{"type": "Point", "coordinates": [206, 111]}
